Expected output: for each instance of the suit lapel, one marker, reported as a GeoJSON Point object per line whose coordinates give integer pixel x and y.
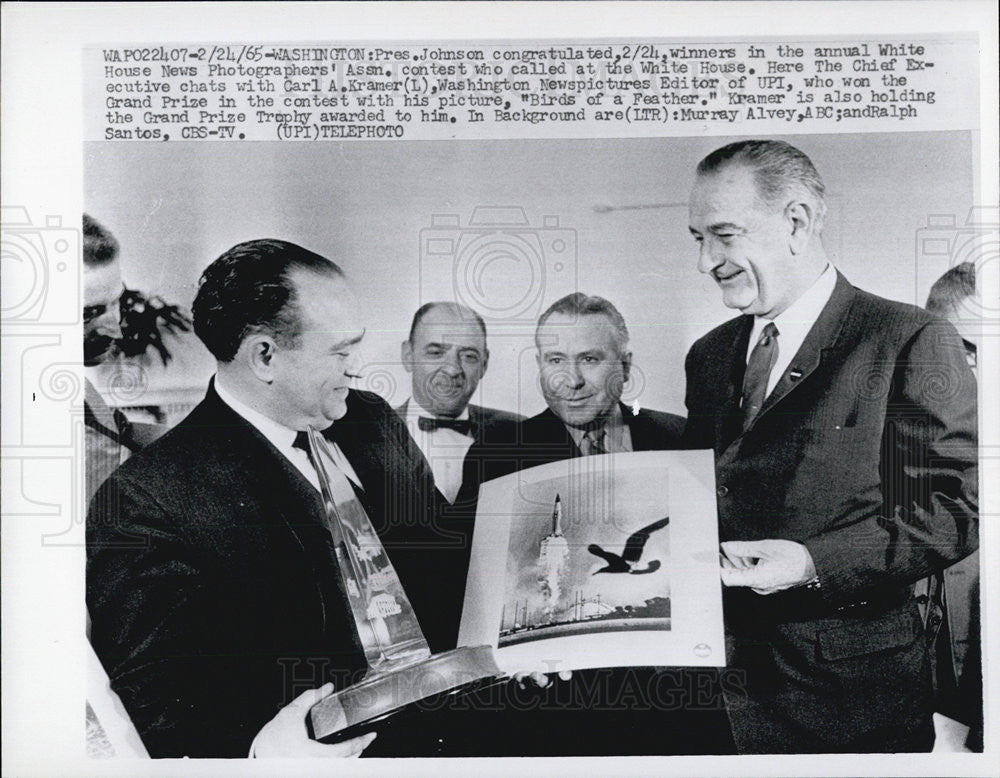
{"type": "Point", "coordinates": [478, 419]}
{"type": "Point", "coordinates": [287, 487]}
{"type": "Point", "coordinates": [554, 431]}
{"type": "Point", "coordinates": [730, 387]}
{"type": "Point", "coordinates": [821, 338]}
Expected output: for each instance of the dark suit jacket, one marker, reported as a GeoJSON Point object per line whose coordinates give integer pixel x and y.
{"type": "Point", "coordinates": [650, 431]}
{"type": "Point", "coordinates": [491, 426]}
{"type": "Point", "coordinates": [866, 453]}
{"type": "Point", "coordinates": [454, 523]}
{"type": "Point", "coordinates": [544, 438]}
{"type": "Point", "coordinates": [212, 584]}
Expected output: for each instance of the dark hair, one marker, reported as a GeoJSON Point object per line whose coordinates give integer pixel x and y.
{"type": "Point", "coordinates": [100, 247]}
{"type": "Point", "coordinates": [463, 312]}
{"type": "Point", "coordinates": [580, 304]}
{"type": "Point", "coordinates": [248, 289]}
{"type": "Point", "coordinates": [778, 168]}
{"type": "Point", "coordinates": [952, 288]}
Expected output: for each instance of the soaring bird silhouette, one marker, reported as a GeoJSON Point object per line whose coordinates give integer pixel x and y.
{"type": "Point", "coordinates": [632, 552]}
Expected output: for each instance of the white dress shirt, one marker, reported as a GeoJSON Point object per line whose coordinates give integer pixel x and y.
{"type": "Point", "coordinates": [794, 323]}
{"type": "Point", "coordinates": [617, 436]}
{"type": "Point", "coordinates": [282, 438]}
{"type": "Point", "coordinates": [444, 449]}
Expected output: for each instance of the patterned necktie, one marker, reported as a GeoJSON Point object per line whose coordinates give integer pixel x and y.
{"type": "Point", "coordinates": [593, 442]}
{"type": "Point", "coordinates": [759, 367]}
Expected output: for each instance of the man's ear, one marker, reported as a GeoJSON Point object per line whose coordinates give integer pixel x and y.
{"type": "Point", "coordinates": [626, 365]}
{"type": "Point", "coordinates": [406, 355]}
{"type": "Point", "coordinates": [259, 352]}
{"type": "Point", "coordinates": [801, 220]}
{"type": "Point", "coordinates": [486, 360]}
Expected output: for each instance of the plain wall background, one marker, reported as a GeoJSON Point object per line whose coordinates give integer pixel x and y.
{"type": "Point", "coordinates": [395, 216]}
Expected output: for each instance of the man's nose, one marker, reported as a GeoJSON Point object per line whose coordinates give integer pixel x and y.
{"type": "Point", "coordinates": [453, 363]}
{"type": "Point", "coordinates": [575, 376]}
{"type": "Point", "coordinates": [353, 364]}
{"type": "Point", "coordinates": [709, 256]}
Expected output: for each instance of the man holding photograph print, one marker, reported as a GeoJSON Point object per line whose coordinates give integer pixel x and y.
{"type": "Point", "coordinates": [584, 362]}
{"type": "Point", "coordinates": [844, 427]}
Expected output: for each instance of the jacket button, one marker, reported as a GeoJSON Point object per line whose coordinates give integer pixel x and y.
{"type": "Point", "coordinates": [722, 491]}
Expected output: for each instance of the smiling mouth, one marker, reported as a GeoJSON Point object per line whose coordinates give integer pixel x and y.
{"type": "Point", "coordinates": [447, 388]}
{"type": "Point", "coordinates": [724, 278]}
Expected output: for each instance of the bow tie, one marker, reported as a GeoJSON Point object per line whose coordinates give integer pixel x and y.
{"type": "Point", "coordinates": [461, 426]}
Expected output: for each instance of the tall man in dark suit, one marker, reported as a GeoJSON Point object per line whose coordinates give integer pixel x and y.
{"type": "Point", "coordinates": [212, 582]}
{"type": "Point", "coordinates": [844, 427]}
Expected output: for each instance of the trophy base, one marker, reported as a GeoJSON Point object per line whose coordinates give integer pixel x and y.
{"type": "Point", "coordinates": [383, 694]}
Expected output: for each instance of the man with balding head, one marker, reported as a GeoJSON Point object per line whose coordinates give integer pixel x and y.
{"type": "Point", "coordinates": [446, 357]}
{"type": "Point", "coordinates": [844, 429]}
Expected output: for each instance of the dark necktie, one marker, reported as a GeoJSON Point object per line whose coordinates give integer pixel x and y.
{"type": "Point", "coordinates": [759, 367]}
{"type": "Point", "coordinates": [121, 432]}
{"type": "Point", "coordinates": [301, 442]}
{"type": "Point", "coordinates": [462, 426]}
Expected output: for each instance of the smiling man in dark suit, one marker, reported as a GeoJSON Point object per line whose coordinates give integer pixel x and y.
{"type": "Point", "coordinates": [844, 427]}
{"type": "Point", "coordinates": [583, 365]}
{"type": "Point", "coordinates": [446, 357]}
{"type": "Point", "coordinates": [584, 362]}
{"type": "Point", "coordinates": [213, 583]}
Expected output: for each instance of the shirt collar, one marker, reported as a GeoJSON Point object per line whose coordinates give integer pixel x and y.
{"type": "Point", "coordinates": [614, 423]}
{"type": "Point", "coordinates": [797, 319]}
{"type": "Point", "coordinates": [279, 435]}
{"type": "Point", "coordinates": [414, 410]}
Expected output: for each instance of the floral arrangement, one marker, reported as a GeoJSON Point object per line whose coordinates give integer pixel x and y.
{"type": "Point", "coordinates": [144, 320]}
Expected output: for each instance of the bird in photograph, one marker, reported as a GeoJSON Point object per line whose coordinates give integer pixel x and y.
{"type": "Point", "coordinates": [631, 554]}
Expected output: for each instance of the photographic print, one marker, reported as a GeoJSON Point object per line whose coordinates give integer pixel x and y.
{"type": "Point", "coordinates": [590, 566]}
{"type": "Point", "coordinates": [606, 561]}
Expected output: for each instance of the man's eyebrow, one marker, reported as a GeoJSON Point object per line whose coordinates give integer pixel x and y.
{"type": "Point", "coordinates": [348, 341]}
{"type": "Point", "coordinates": [725, 227]}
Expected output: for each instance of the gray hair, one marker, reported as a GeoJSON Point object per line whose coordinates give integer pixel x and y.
{"type": "Point", "coordinates": [579, 304]}
{"type": "Point", "coordinates": [779, 169]}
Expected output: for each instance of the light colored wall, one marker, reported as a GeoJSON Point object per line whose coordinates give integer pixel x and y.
{"type": "Point", "coordinates": [369, 206]}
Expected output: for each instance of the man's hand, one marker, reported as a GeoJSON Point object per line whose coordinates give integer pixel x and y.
{"type": "Point", "coordinates": [766, 566]}
{"type": "Point", "coordinates": [286, 736]}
